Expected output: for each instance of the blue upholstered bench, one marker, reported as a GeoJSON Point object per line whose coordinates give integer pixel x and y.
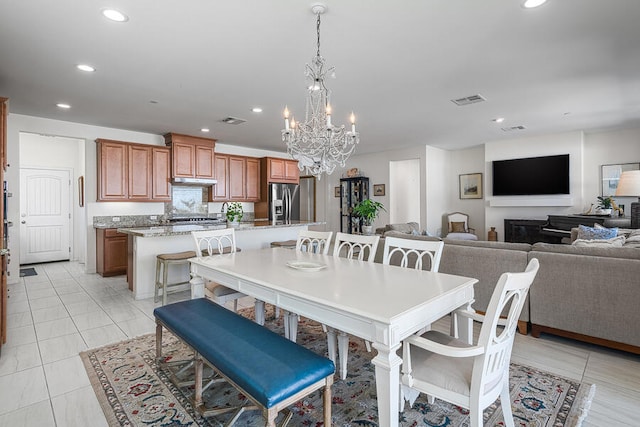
{"type": "Point", "coordinates": [269, 369]}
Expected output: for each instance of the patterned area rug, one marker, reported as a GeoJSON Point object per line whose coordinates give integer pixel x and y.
{"type": "Point", "coordinates": [134, 391]}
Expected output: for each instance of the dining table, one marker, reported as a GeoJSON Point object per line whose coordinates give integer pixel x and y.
{"type": "Point", "coordinates": [382, 304]}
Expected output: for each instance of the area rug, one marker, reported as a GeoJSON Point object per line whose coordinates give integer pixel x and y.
{"type": "Point", "coordinates": [134, 391]}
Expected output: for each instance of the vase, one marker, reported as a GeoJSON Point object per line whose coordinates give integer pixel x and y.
{"type": "Point", "coordinates": [492, 235]}
{"type": "Point", "coordinates": [367, 230]}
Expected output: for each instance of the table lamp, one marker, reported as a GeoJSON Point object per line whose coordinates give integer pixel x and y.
{"type": "Point", "coordinates": [629, 186]}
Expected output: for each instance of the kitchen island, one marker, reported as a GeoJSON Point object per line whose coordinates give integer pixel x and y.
{"type": "Point", "coordinates": [145, 243]}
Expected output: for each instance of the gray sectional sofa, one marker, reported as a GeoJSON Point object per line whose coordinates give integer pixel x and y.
{"type": "Point", "coordinates": [584, 293]}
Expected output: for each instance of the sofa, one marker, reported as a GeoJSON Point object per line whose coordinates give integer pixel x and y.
{"type": "Point", "coordinates": [583, 293]}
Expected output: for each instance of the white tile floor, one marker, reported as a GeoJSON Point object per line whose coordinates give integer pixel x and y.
{"type": "Point", "coordinates": [62, 311]}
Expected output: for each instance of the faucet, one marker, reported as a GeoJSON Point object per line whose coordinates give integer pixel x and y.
{"type": "Point", "coordinates": [223, 205]}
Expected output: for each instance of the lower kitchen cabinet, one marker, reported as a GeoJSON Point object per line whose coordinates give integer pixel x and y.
{"type": "Point", "coordinates": [111, 252]}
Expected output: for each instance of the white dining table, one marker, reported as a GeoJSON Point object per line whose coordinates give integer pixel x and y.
{"type": "Point", "coordinates": [380, 303]}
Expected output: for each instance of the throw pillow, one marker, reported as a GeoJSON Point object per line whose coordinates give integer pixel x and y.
{"type": "Point", "coordinates": [593, 233]}
{"type": "Point", "coordinates": [615, 242]}
{"type": "Point", "coordinates": [634, 236]}
{"type": "Point", "coordinates": [458, 227]}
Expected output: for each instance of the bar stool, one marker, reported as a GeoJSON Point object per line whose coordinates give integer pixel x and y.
{"type": "Point", "coordinates": [163, 261]}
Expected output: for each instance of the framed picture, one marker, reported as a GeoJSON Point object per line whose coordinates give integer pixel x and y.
{"type": "Point", "coordinates": [336, 192]}
{"type": "Point", "coordinates": [611, 176]}
{"type": "Point", "coordinates": [471, 186]}
{"type": "Point", "coordinates": [378, 189]}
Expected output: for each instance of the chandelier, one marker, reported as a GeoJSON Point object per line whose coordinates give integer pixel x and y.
{"type": "Point", "coordinates": [316, 143]}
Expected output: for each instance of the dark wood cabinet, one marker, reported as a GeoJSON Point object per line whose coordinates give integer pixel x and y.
{"type": "Point", "coordinates": [238, 179]}
{"type": "Point", "coordinates": [111, 252]}
{"type": "Point", "coordinates": [130, 172]}
{"type": "Point", "coordinates": [352, 192]}
{"type": "Point", "coordinates": [191, 156]}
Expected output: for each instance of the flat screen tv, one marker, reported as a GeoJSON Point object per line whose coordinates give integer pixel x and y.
{"type": "Point", "coordinates": [531, 176]}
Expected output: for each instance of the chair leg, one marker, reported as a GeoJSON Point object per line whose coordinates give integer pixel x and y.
{"type": "Point", "coordinates": [505, 402]}
{"type": "Point", "coordinates": [155, 292]}
{"type": "Point", "coordinates": [475, 413]}
{"type": "Point", "coordinates": [165, 278]}
{"type": "Point", "coordinates": [343, 351]}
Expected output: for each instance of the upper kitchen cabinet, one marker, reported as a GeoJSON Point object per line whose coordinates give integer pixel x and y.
{"type": "Point", "coordinates": [281, 170]}
{"type": "Point", "coordinates": [238, 179]}
{"type": "Point", "coordinates": [191, 156]}
{"type": "Point", "coordinates": [132, 172]}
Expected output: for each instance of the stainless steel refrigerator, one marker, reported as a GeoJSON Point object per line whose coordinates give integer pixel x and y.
{"type": "Point", "coordinates": [284, 202]}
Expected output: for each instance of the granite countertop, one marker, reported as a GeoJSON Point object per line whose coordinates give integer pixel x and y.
{"type": "Point", "coordinates": [176, 230]}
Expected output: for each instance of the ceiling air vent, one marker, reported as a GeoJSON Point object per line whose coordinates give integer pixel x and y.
{"type": "Point", "coordinates": [513, 128]}
{"type": "Point", "coordinates": [468, 100]}
{"type": "Point", "coordinates": [233, 121]}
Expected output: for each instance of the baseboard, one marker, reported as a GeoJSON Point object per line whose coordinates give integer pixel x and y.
{"type": "Point", "coordinates": [536, 330]}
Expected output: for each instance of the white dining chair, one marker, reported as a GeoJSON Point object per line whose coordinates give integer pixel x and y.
{"type": "Point", "coordinates": [459, 372]}
{"type": "Point", "coordinates": [418, 254]}
{"type": "Point", "coordinates": [317, 242]}
{"type": "Point", "coordinates": [215, 242]}
{"type": "Point", "coordinates": [362, 248]}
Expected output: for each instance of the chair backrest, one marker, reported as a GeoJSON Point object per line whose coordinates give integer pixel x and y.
{"type": "Point", "coordinates": [458, 217]}
{"type": "Point", "coordinates": [492, 366]}
{"type": "Point", "coordinates": [212, 242]}
{"type": "Point", "coordinates": [413, 253]}
{"type": "Point", "coordinates": [354, 245]}
{"type": "Point", "coordinates": [317, 242]}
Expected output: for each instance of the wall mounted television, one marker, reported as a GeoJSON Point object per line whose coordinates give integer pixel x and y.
{"type": "Point", "coordinates": [546, 175]}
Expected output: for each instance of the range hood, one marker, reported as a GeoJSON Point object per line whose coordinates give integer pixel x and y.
{"type": "Point", "coordinates": [194, 181]}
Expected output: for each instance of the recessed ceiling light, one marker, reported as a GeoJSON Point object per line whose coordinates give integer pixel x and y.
{"type": "Point", "coordinates": [115, 15]}
{"type": "Point", "coordinates": [204, 130]}
{"type": "Point", "coordinates": [530, 4]}
{"type": "Point", "coordinates": [256, 110]}
{"type": "Point", "coordinates": [498, 120]}
{"type": "Point", "coordinates": [85, 67]}
{"type": "Point", "coordinates": [63, 106]}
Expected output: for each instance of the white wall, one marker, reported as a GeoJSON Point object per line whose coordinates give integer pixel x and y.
{"type": "Point", "coordinates": [516, 207]}
{"type": "Point", "coordinates": [404, 178]}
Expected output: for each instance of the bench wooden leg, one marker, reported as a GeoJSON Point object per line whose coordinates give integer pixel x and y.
{"type": "Point", "coordinates": [197, 398]}
{"type": "Point", "coordinates": [326, 402]}
{"type": "Point", "coordinates": [158, 341]}
{"type": "Point", "coordinates": [270, 415]}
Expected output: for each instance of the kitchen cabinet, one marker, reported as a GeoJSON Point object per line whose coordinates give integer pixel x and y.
{"type": "Point", "coordinates": [282, 170]}
{"type": "Point", "coordinates": [133, 172]}
{"type": "Point", "coordinates": [238, 179]}
{"type": "Point", "coordinates": [161, 173]}
{"type": "Point", "coordinates": [352, 192]}
{"type": "Point", "coordinates": [111, 252]}
{"type": "Point", "coordinates": [191, 156]}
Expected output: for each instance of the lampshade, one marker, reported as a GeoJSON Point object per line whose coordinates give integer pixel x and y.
{"type": "Point", "coordinates": [629, 184]}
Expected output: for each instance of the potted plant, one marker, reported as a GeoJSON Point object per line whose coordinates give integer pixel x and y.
{"type": "Point", "coordinates": [368, 210]}
{"type": "Point", "coordinates": [234, 213]}
{"type": "Point", "coordinates": [605, 204]}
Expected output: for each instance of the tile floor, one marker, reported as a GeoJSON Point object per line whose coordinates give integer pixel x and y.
{"type": "Point", "coordinates": [61, 311]}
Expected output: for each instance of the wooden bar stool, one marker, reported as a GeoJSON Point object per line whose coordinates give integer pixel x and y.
{"type": "Point", "coordinates": [163, 261]}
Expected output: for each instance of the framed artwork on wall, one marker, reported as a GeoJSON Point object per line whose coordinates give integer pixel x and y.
{"type": "Point", "coordinates": [611, 176]}
{"type": "Point", "coordinates": [378, 189]}
{"type": "Point", "coordinates": [471, 186]}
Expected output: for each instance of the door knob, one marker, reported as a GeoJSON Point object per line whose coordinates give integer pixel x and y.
{"type": "Point", "coordinates": [23, 222]}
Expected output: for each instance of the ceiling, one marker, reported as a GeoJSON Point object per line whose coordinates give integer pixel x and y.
{"type": "Point", "coordinates": [179, 66]}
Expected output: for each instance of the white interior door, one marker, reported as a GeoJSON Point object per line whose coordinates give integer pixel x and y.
{"type": "Point", "coordinates": [44, 215]}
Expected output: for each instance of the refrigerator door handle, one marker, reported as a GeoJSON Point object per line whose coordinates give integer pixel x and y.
{"type": "Point", "coordinates": [287, 194]}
